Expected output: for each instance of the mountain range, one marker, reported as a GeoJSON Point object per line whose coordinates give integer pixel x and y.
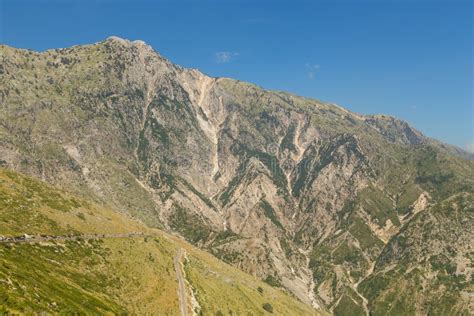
{"type": "Point", "coordinates": [347, 213]}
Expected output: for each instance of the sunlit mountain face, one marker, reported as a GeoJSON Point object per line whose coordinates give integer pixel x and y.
{"type": "Point", "coordinates": [347, 213]}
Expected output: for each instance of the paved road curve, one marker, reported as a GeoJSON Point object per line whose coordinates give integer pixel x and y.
{"type": "Point", "coordinates": [181, 283]}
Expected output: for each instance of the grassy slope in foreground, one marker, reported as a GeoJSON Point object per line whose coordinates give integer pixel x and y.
{"type": "Point", "coordinates": [109, 275]}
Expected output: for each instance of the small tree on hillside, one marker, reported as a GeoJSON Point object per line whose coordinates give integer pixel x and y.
{"type": "Point", "coordinates": [268, 307]}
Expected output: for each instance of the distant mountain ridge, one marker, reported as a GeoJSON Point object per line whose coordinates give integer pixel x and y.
{"type": "Point", "coordinates": [303, 194]}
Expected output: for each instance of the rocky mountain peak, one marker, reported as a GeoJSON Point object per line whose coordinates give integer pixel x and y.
{"type": "Point", "coordinates": [128, 43]}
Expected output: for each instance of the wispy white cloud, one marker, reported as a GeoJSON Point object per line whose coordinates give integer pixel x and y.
{"type": "Point", "coordinates": [470, 147]}
{"type": "Point", "coordinates": [225, 57]}
{"type": "Point", "coordinates": [311, 70]}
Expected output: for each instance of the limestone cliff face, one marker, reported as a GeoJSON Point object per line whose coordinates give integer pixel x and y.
{"type": "Point", "coordinates": [301, 193]}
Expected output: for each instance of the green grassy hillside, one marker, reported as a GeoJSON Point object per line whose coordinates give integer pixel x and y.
{"type": "Point", "coordinates": [113, 275]}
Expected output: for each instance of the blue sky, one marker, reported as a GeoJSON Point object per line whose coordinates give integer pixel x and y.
{"type": "Point", "coordinates": [408, 58]}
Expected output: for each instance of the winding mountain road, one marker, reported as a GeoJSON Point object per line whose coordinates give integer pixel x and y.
{"type": "Point", "coordinates": [34, 238]}
{"type": "Point", "coordinates": [183, 305]}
